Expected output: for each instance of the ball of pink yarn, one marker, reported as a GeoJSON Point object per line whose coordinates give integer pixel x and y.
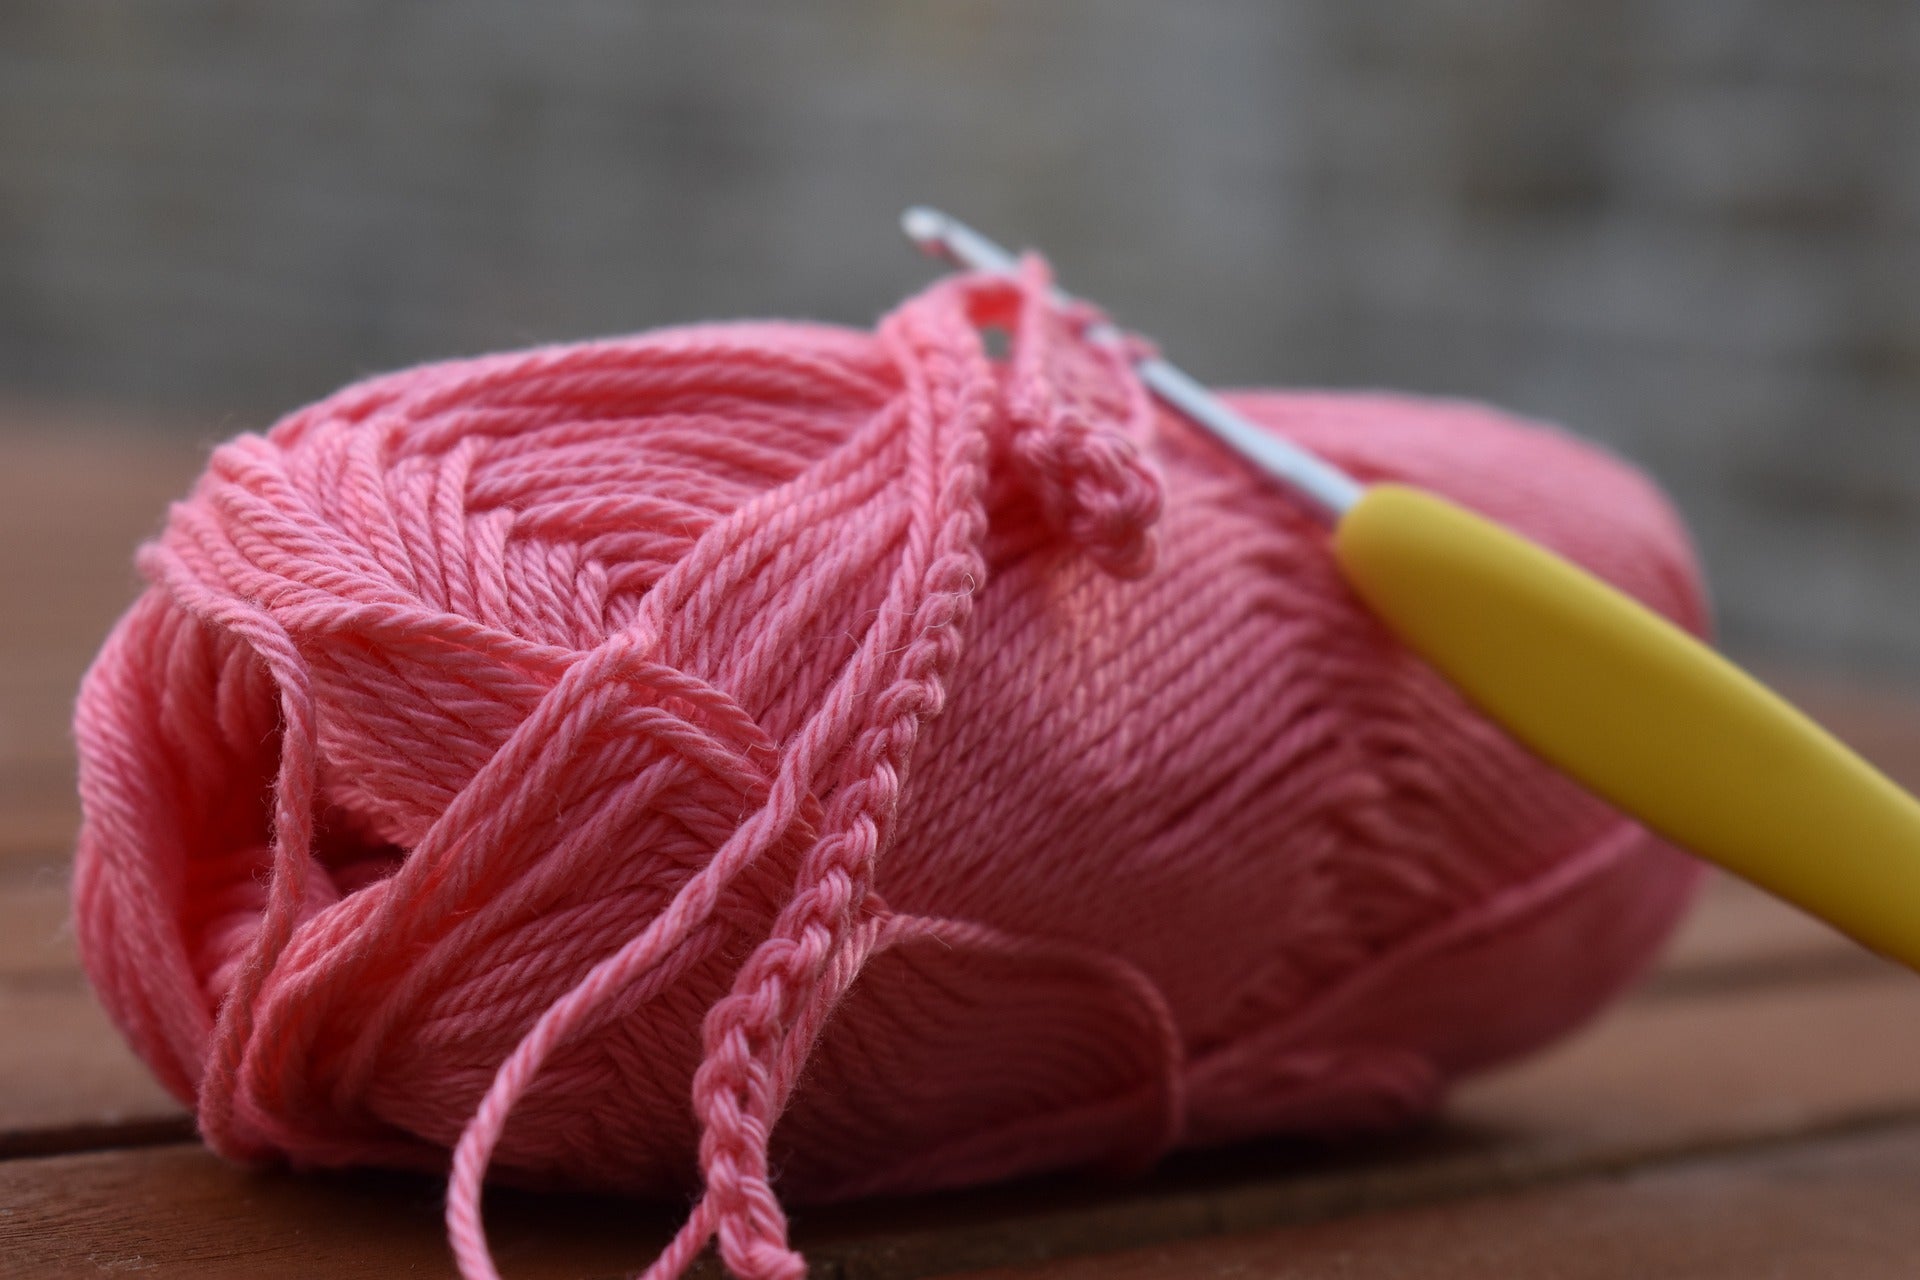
{"type": "Point", "coordinates": [652, 763]}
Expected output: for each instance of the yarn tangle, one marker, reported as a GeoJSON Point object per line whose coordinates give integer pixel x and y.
{"type": "Point", "coordinates": [651, 763]}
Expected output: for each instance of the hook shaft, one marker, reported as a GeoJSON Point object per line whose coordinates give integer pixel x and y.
{"type": "Point", "coordinates": [1327, 489]}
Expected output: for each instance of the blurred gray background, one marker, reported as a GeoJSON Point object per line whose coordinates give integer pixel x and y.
{"type": "Point", "coordinates": [1689, 228]}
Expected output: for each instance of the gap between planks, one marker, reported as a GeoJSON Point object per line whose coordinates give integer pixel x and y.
{"type": "Point", "coordinates": [1839, 1207]}
{"type": "Point", "coordinates": [69, 1083]}
{"type": "Point", "coordinates": [1658, 1082]}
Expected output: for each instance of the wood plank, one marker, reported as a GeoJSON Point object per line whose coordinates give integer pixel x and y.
{"type": "Point", "coordinates": [37, 692]}
{"type": "Point", "coordinates": [1737, 935]}
{"type": "Point", "coordinates": [1843, 1207]}
{"type": "Point", "coordinates": [36, 936]}
{"type": "Point", "coordinates": [67, 1080]}
{"type": "Point", "coordinates": [1747, 1066]}
{"type": "Point", "coordinates": [74, 502]}
{"type": "Point", "coordinates": [67, 1083]}
{"type": "Point", "coordinates": [1659, 1081]}
{"type": "Point", "coordinates": [75, 499]}
{"type": "Point", "coordinates": [37, 820]}
{"type": "Point", "coordinates": [179, 1211]}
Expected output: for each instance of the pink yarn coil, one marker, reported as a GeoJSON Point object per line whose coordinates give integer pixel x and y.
{"type": "Point", "coordinates": [649, 763]}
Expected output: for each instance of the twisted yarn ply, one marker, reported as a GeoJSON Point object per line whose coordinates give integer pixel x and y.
{"type": "Point", "coordinates": [650, 763]}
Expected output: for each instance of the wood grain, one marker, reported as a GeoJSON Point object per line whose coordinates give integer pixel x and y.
{"type": "Point", "coordinates": [36, 936]}
{"type": "Point", "coordinates": [1658, 1082]}
{"type": "Point", "coordinates": [1738, 936]}
{"type": "Point", "coordinates": [68, 1083]}
{"type": "Point", "coordinates": [1843, 1207]}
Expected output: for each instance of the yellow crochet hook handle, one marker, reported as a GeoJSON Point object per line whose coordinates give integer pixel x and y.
{"type": "Point", "coordinates": [1641, 712]}
{"type": "Point", "coordinates": [1616, 696]}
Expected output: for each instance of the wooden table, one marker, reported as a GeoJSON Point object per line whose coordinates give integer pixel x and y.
{"type": "Point", "coordinates": [1753, 1110]}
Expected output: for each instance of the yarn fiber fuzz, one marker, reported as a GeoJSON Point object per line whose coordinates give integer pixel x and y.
{"type": "Point", "coordinates": [653, 763]}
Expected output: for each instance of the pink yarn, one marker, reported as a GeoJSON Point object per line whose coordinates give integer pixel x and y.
{"type": "Point", "coordinates": [651, 763]}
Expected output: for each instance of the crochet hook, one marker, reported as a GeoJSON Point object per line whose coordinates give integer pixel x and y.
{"type": "Point", "coordinates": [1603, 688]}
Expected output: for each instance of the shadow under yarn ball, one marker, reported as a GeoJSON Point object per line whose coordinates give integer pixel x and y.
{"type": "Point", "coordinates": [652, 763]}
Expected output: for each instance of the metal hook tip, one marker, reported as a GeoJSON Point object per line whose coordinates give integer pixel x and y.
{"type": "Point", "coordinates": [926, 227]}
